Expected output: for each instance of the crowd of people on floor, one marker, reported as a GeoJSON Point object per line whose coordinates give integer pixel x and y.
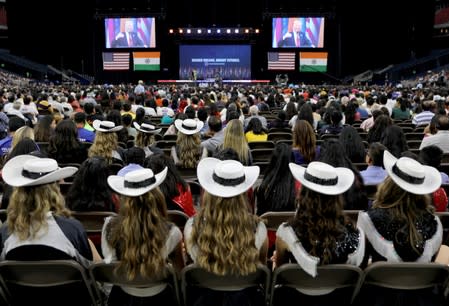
{"type": "Point", "coordinates": [109, 143]}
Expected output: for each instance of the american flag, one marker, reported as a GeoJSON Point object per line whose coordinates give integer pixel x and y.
{"type": "Point", "coordinates": [115, 61]}
{"type": "Point", "coordinates": [281, 61]}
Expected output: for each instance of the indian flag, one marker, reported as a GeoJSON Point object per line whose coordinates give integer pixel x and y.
{"type": "Point", "coordinates": [312, 61]}
{"type": "Point", "coordinates": [147, 61]}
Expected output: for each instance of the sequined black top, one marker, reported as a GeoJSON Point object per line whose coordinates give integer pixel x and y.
{"type": "Point", "coordinates": [346, 244]}
{"type": "Point", "coordinates": [397, 231]}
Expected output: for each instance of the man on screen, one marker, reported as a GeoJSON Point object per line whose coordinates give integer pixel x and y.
{"type": "Point", "coordinates": [296, 38]}
{"type": "Point", "coordinates": [129, 38]}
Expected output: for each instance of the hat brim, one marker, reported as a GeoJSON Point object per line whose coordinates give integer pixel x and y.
{"type": "Point", "coordinates": [117, 183]}
{"type": "Point", "coordinates": [178, 125]}
{"type": "Point", "coordinates": [137, 127]}
{"type": "Point", "coordinates": [205, 172]}
{"type": "Point", "coordinates": [12, 173]}
{"type": "Point", "coordinates": [432, 178]}
{"type": "Point", "coordinates": [96, 125]}
{"type": "Point", "coordinates": [344, 182]}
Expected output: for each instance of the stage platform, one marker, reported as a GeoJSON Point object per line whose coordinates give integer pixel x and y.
{"type": "Point", "coordinates": [211, 82]}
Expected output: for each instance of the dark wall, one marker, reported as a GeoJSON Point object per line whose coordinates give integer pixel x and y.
{"type": "Point", "coordinates": [375, 31]}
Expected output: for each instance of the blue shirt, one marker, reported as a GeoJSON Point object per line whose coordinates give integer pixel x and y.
{"type": "Point", "coordinates": [299, 158]}
{"type": "Point", "coordinates": [129, 168]}
{"type": "Point", "coordinates": [363, 112]}
{"type": "Point", "coordinates": [5, 145]}
{"type": "Point", "coordinates": [85, 135]}
{"type": "Point", "coordinates": [373, 175]}
{"type": "Point", "coordinates": [444, 178]}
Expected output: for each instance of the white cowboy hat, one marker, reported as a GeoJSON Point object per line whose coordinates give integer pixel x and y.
{"type": "Point", "coordinates": [146, 128]}
{"type": "Point", "coordinates": [28, 170]}
{"type": "Point", "coordinates": [136, 183]}
{"type": "Point", "coordinates": [225, 178]}
{"type": "Point", "coordinates": [189, 126]}
{"type": "Point", "coordinates": [323, 178]}
{"type": "Point", "coordinates": [106, 126]}
{"type": "Point", "coordinates": [412, 176]}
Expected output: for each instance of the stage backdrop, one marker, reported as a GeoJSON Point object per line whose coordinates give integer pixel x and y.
{"type": "Point", "coordinates": [229, 62]}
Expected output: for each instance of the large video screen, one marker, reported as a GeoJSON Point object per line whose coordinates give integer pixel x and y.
{"type": "Point", "coordinates": [130, 32]}
{"type": "Point", "coordinates": [230, 62]}
{"type": "Point", "coordinates": [298, 32]}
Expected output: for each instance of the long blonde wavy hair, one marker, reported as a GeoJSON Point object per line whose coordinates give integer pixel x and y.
{"type": "Point", "coordinates": [22, 133]}
{"type": "Point", "coordinates": [404, 206]}
{"type": "Point", "coordinates": [28, 208]}
{"type": "Point", "coordinates": [103, 145]}
{"type": "Point", "coordinates": [188, 148]}
{"type": "Point", "coordinates": [140, 232]}
{"type": "Point", "coordinates": [224, 232]}
{"type": "Point", "coordinates": [234, 138]}
{"type": "Point", "coordinates": [144, 140]}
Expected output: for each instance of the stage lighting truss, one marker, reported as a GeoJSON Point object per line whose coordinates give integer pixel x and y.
{"type": "Point", "coordinates": [214, 31]}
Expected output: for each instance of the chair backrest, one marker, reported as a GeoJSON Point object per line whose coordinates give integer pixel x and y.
{"type": "Point", "coordinates": [414, 144]}
{"type": "Point", "coordinates": [170, 137]}
{"type": "Point", "coordinates": [281, 130]}
{"type": "Point", "coordinates": [275, 218]}
{"type": "Point", "coordinates": [108, 273]}
{"type": "Point", "coordinates": [414, 136]}
{"type": "Point", "coordinates": [165, 144]}
{"type": "Point", "coordinates": [45, 273]}
{"type": "Point", "coordinates": [444, 218]}
{"type": "Point", "coordinates": [261, 155]}
{"type": "Point", "coordinates": [406, 275]}
{"type": "Point", "coordinates": [261, 145]}
{"type": "Point", "coordinates": [186, 173]}
{"type": "Point", "coordinates": [178, 218]}
{"type": "Point", "coordinates": [197, 192]}
{"type": "Point", "coordinates": [194, 276]}
{"type": "Point", "coordinates": [92, 221]}
{"type": "Point", "coordinates": [329, 277]}
{"type": "Point", "coordinates": [263, 166]}
{"type": "Point", "coordinates": [329, 136]}
{"type": "Point", "coordinates": [278, 136]}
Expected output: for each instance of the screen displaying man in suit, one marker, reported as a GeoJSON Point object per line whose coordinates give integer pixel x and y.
{"type": "Point", "coordinates": [296, 38]}
{"type": "Point", "coordinates": [129, 38]}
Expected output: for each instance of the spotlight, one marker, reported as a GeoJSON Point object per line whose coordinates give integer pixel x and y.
{"type": "Point", "coordinates": [218, 31]}
{"type": "Point", "coordinates": [181, 31]}
{"type": "Point", "coordinates": [246, 31]}
{"type": "Point", "coordinates": [170, 31]}
{"type": "Point", "coordinates": [199, 31]}
{"type": "Point", "coordinates": [257, 31]}
{"type": "Point", "coordinates": [236, 31]}
{"type": "Point", "coordinates": [209, 31]}
{"type": "Point", "coordinates": [189, 31]}
{"type": "Point", "coordinates": [228, 31]}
